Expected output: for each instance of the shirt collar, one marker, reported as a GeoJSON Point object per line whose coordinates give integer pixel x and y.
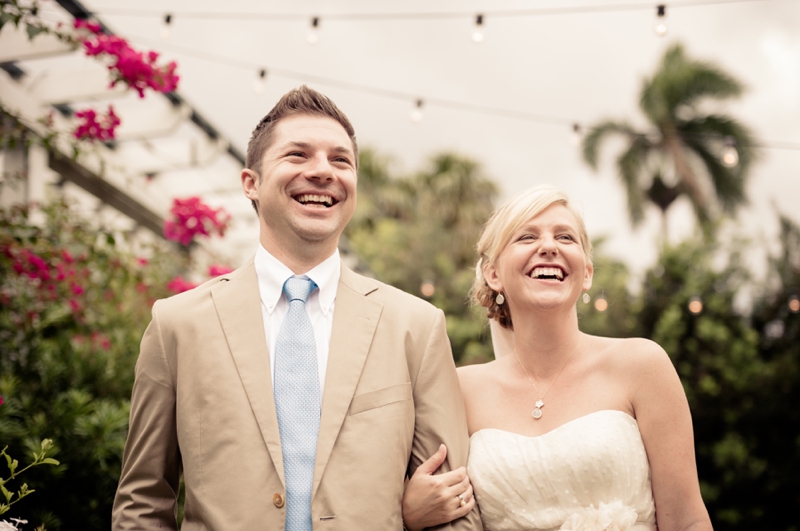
{"type": "Point", "coordinates": [272, 274]}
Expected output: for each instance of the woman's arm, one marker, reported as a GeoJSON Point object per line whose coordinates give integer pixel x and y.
{"type": "Point", "coordinates": [665, 423]}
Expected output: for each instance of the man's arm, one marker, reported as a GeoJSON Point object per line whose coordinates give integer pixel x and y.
{"type": "Point", "coordinates": [439, 414]}
{"type": "Point", "coordinates": [151, 466]}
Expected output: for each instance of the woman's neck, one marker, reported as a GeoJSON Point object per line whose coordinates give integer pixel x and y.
{"type": "Point", "coordinates": [545, 340]}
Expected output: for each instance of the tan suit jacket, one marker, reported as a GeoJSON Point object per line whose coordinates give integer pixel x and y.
{"type": "Point", "coordinates": [203, 407]}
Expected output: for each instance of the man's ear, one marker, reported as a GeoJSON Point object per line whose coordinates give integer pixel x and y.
{"type": "Point", "coordinates": [491, 278]}
{"type": "Point", "coordinates": [588, 276]}
{"type": "Point", "coordinates": [250, 181]}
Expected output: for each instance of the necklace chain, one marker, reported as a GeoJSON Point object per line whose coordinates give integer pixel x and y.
{"type": "Point", "coordinates": [537, 412]}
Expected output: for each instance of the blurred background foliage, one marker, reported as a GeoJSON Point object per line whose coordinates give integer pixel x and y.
{"type": "Point", "coordinates": [75, 301]}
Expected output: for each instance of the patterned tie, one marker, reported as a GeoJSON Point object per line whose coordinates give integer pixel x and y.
{"type": "Point", "coordinates": [297, 401]}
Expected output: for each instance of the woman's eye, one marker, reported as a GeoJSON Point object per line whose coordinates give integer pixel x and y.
{"type": "Point", "coordinates": [567, 237]}
{"type": "Point", "coordinates": [525, 237]}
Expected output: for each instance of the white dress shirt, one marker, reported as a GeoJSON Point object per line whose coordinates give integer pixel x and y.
{"type": "Point", "coordinates": [272, 274]}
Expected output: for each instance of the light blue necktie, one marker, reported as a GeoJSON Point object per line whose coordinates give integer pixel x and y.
{"type": "Point", "coordinates": [297, 401]}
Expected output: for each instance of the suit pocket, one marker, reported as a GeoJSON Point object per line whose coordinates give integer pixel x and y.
{"type": "Point", "coordinates": [380, 398]}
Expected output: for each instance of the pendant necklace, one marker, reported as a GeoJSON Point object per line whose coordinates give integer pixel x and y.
{"type": "Point", "coordinates": [537, 412]}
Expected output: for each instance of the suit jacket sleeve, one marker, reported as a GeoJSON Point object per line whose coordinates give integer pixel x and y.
{"type": "Point", "coordinates": [440, 416]}
{"type": "Point", "coordinates": [147, 494]}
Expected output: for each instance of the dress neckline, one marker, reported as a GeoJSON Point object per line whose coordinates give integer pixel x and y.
{"type": "Point", "coordinates": [557, 428]}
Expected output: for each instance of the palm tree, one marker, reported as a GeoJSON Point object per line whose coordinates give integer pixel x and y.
{"type": "Point", "coordinates": [686, 151]}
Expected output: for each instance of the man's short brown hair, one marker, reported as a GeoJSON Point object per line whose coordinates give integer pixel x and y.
{"type": "Point", "coordinates": [301, 100]}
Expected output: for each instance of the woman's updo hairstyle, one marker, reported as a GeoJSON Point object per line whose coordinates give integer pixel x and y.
{"type": "Point", "coordinates": [497, 232]}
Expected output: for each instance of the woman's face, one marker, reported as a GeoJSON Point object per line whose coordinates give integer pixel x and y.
{"type": "Point", "coordinates": [544, 265]}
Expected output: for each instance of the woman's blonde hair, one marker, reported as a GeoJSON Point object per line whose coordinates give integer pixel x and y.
{"type": "Point", "coordinates": [497, 232]}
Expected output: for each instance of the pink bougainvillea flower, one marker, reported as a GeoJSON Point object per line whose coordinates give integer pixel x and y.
{"type": "Point", "coordinates": [96, 127]}
{"type": "Point", "coordinates": [1, 401]}
{"type": "Point", "coordinates": [68, 258]}
{"type": "Point", "coordinates": [75, 305]}
{"type": "Point", "coordinates": [77, 289]}
{"type": "Point", "coordinates": [217, 270]}
{"type": "Point", "coordinates": [191, 217]}
{"type": "Point", "coordinates": [142, 261]}
{"type": "Point", "coordinates": [179, 285]}
{"type": "Point", "coordinates": [91, 27]}
{"type": "Point", "coordinates": [138, 70]}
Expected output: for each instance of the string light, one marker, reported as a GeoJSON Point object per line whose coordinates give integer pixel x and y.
{"type": "Point", "coordinates": [730, 157]}
{"type": "Point", "coordinates": [477, 35]}
{"type": "Point", "coordinates": [794, 303]}
{"type": "Point", "coordinates": [258, 82]}
{"type": "Point", "coordinates": [416, 113]}
{"type": "Point", "coordinates": [695, 305]}
{"type": "Point", "coordinates": [600, 303]}
{"type": "Point", "coordinates": [516, 114]}
{"type": "Point", "coordinates": [313, 34]}
{"type": "Point", "coordinates": [164, 33]}
{"type": "Point", "coordinates": [775, 329]}
{"type": "Point", "coordinates": [427, 289]}
{"type": "Point", "coordinates": [575, 137]}
{"type": "Point", "coordinates": [661, 27]}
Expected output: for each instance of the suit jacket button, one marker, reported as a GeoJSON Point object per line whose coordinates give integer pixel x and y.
{"type": "Point", "coordinates": [278, 501]}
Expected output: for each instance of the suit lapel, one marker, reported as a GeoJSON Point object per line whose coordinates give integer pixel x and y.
{"type": "Point", "coordinates": [354, 321]}
{"type": "Point", "coordinates": [238, 305]}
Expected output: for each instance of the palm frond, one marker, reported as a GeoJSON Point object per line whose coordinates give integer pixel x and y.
{"type": "Point", "coordinates": [592, 142]}
{"type": "Point", "coordinates": [682, 81]}
{"type": "Point", "coordinates": [631, 164]}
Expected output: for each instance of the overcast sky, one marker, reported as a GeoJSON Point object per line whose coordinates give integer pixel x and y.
{"type": "Point", "coordinates": [565, 68]}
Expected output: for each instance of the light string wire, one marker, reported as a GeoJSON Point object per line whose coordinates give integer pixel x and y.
{"type": "Point", "coordinates": [503, 13]}
{"type": "Point", "coordinates": [405, 96]}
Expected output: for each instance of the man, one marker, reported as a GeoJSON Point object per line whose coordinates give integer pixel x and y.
{"type": "Point", "coordinates": [292, 393]}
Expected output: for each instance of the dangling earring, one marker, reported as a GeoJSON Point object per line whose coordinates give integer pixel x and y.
{"type": "Point", "coordinates": [500, 299]}
{"type": "Point", "coordinates": [586, 298]}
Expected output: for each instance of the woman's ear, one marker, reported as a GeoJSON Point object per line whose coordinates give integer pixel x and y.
{"type": "Point", "coordinates": [491, 277]}
{"type": "Point", "coordinates": [588, 276]}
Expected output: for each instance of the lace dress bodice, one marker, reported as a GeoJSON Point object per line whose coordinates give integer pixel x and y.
{"type": "Point", "coordinates": [590, 474]}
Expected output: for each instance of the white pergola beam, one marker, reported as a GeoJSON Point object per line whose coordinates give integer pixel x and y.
{"type": "Point", "coordinates": [15, 45]}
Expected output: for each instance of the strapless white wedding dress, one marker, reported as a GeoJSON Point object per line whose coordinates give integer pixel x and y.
{"type": "Point", "coordinates": [590, 474]}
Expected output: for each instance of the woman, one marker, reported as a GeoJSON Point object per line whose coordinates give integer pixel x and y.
{"type": "Point", "coordinates": [567, 431]}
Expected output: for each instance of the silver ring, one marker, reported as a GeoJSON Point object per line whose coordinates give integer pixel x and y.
{"type": "Point", "coordinates": [461, 501]}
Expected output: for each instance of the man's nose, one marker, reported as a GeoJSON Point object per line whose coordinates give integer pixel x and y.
{"type": "Point", "coordinates": [320, 169]}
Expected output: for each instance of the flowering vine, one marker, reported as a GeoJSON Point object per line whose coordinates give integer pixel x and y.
{"type": "Point", "coordinates": [96, 126]}
{"type": "Point", "coordinates": [137, 69]}
{"type": "Point", "coordinates": [191, 217]}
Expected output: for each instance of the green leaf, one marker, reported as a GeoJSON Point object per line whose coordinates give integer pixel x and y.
{"type": "Point", "coordinates": [13, 466]}
{"type": "Point", "coordinates": [7, 493]}
{"type": "Point", "coordinates": [33, 31]}
{"type": "Point", "coordinates": [50, 461]}
{"type": "Point", "coordinates": [4, 508]}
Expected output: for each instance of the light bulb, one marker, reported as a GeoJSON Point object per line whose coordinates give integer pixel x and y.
{"type": "Point", "coordinates": [575, 137]}
{"type": "Point", "coordinates": [258, 82]}
{"type": "Point", "coordinates": [416, 113]}
{"type": "Point", "coordinates": [477, 35]}
{"type": "Point", "coordinates": [794, 304]}
{"type": "Point", "coordinates": [164, 33]}
{"type": "Point", "coordinates": [695, 305]}
{"type": "Point", "coordinates": [730, 157]}
{"type": "Point", "coordinates": [313, 35]}
{"type": "Point", "coordinates": [601, 304]}
{"type": "Point", "coordinates": [661, 27]}
{"type": "Point", "coordinates": [427, 289]}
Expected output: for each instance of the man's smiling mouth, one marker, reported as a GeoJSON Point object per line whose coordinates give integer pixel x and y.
{"type": "Point", "coordinates": [315, 199]}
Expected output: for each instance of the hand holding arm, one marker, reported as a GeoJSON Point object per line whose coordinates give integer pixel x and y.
{"type": "Point", "coordinates": [431, 500]}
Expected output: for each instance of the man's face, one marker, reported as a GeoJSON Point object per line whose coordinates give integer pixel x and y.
{"type": "Point", "coordinates": [306, 192]}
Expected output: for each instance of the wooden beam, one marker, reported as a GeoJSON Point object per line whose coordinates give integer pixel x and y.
{"type": "Point", "coordinates": [106, 192]}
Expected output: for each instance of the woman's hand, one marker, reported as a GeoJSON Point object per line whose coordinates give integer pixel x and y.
{"type": "Point", "coordinates": [430, 500]}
